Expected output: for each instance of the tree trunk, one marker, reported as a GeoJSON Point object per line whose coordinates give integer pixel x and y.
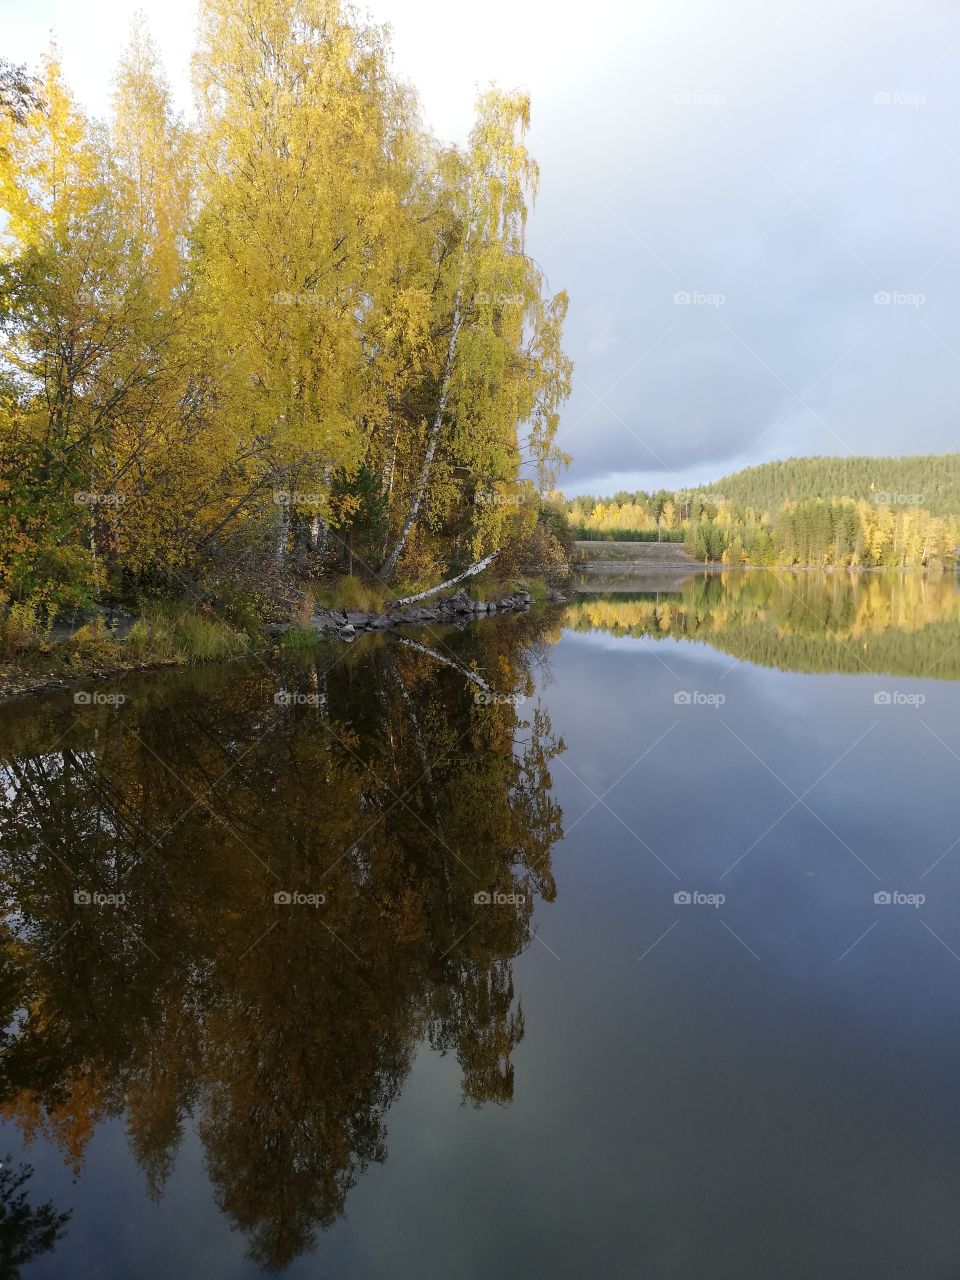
{"type": "Point", "coordinates": [94, 548]}
{"type": "Point", "coordinates": [450, 582]}
{"type": "Point", "coordinates": [391, 561]}
{"type": "Point", "coordinates": [433, 440]}
{"type": "Point", "coordinates": [282, 533]}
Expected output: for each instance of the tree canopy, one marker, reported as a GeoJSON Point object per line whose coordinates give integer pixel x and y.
{"type": "Point", "coordinates": [297, 321]}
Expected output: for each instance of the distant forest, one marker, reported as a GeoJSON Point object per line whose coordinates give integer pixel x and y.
{"type": "Point", "coordinates": [850, 512]}
{"type": "Point", "coordinates": [930, 480]}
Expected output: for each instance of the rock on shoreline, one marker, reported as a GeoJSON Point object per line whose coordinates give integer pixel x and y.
{"type": "Point", "coordinates": [455, 607]}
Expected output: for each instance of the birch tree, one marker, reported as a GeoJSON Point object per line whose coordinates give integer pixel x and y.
{"type": "Point", "coordinates": [300, 120]}
{"type": "Point", "coordinates": [498, 363]}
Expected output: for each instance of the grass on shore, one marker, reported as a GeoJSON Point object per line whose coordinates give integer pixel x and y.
{"type": "Point", "coordinates": [164, 633]}
{"type": "Point", "coordinates": [351, 592]}
{"type": "Point", "coordinates": [370, 596]}
{"type": "Point", "coordinates": [171, 633]}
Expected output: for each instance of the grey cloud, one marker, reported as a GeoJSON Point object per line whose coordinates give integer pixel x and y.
{"type": "Point", "coordinates": [780, 181]}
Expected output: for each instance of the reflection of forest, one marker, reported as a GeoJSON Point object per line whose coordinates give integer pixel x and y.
{"type": "Point", "coordinates": [26, 1230]}
{"type": "Point", "coordinates": [283, 1032]}
{"type": "Point", "coordinates": [897, 624]}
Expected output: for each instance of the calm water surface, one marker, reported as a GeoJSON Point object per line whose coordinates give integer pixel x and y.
{"type": "Point", "coordinates": [638, 951]}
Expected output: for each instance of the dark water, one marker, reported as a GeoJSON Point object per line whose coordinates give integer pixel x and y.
{"type": "Point", "coordinates": [587, 1075]}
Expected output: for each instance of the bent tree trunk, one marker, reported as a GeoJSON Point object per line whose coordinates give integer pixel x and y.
{"type": "Point", "coordinates": [450, 582]}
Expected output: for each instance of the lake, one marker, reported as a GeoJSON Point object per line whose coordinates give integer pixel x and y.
{"type": "Point", "coordinates": [623, 941]}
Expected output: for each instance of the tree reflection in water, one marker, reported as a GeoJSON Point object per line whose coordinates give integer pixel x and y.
{"type": "Point", "coordinates": [880, 623]}
{"type": "Point", "coordinates": [283, 1032]}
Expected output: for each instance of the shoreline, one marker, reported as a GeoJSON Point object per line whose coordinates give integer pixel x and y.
{"type": "Point", "coordinates": [666, 568]}
{"type": "Point", "coordinates": [458, 609]}
{"type": "Point", "coordinates": [326, 625]}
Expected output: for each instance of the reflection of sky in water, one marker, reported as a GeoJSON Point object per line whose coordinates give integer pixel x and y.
{"type": "Point", "coordinates": [706, 1111]}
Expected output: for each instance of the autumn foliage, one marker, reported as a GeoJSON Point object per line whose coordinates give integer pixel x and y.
{"type": "Point", "coordinates": [294, 329]}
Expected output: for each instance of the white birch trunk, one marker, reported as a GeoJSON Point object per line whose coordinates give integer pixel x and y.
{"type": "Point", "coordinates": [391, 561]}
{"type": "Point", "coordinates": [450, 582]}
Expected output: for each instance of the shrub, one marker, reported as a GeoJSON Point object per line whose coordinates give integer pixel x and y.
{"type": "Point", "coordinates": [20, 629]}
{"type": "Point", "coordinates": [91, 644]}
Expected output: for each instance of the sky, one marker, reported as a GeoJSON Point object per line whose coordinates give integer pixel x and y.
{"type": "Point", "coordinates": [754, 206]}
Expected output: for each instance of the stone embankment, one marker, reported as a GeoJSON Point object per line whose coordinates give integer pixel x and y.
{"type": "Point", "coordinates": [613, 557]}
{"type": "Point", "coordinates": [456, 607]}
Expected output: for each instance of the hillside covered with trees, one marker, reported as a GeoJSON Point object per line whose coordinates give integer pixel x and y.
{"type": "Point", "coordinates": [294, 338]}
{"type": "Point", "coordinates": [822, 512]}
{"type": "Point", "coordinates": [931, 481]}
